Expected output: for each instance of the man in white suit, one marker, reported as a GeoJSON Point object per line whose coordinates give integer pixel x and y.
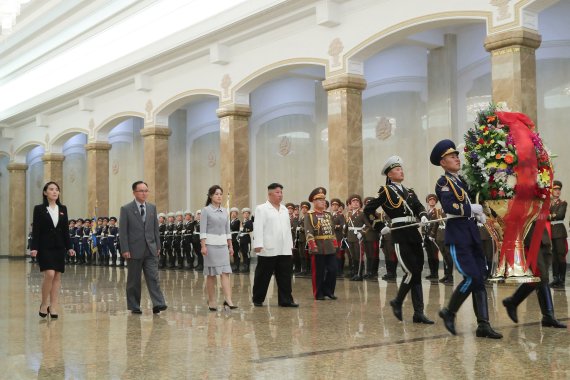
{"type": "Point", "coordinates": [273, 244]}
{"type": "Point", "coordinates": [140, 245]}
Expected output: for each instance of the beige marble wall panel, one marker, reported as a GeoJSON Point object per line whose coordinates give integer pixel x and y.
{"type": "Point", "coordinates": [125, 167]}
{"type": "Point", "coordinates": [177, 189]}
{"type": "Point", "coordinates": [513, 64]}
{"type": "Point", "coordinates": [156, 164]}
{"type": "Point", "coordinates": [53, 170]}
{"type": "Point", "coordinates": [204, 167]}
{"type": "Point", "coordinates": [35, 183]}
{"type": "Point", "coordinates": [17, 229]}
{"type": "Point", "coordinates": [345, 134]}
{"type": "Point", "coordinates": [97, 178]}
{"type": "Point", "coordinates": [234, 153]}
{"type": "Point", "coordinates": [4, 205]}
{"type": "Point", "coordinates": [442, 97]}
{"type": "Point", "coordinates": [75, 181]}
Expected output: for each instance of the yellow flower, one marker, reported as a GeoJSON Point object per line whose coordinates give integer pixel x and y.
{"type": "Point", "coordinates": [544, 176]}
{"type": "Point", "coordinates": [492, 165]}
{"type": "Point", "coordinates": [492, 141]}
{"type": "Point", "coordinates": [502, 165]}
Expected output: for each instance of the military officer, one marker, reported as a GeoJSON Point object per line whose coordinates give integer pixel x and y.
{"type": "Point", "coordinates": [187, 239]}
{"type": "Point", "coordinates": [196, 241]}
{"type": "Point", "coordinates": [98, 235]}
{"type": "Point", "coordinates": [559, 235]}
{"type": "Point", "coordinates": [72, 238]}
{"type": "Point", "coordinates": [79, 254]}
{"type": "Point", "coordinates": [463, 238]}
{"type": "Point", "coordinates": [177, 241]}
{"type": "Point", "coordinates": [162, 234]}
{"type": "Point", "coordinates": [542, 289]}
{"type": "Point", "coordinates": [235, 227]}
{"type": "Point", "coordinates": [104, 254]}
{"type": "Point", "coordinates": [443, 249]}
{"type": "Point", "coordinates": [112, 234]}
{"type": "Point", "coordinates": [487, 245]}
{"type": "Point", "coordinates": [169, 237]}
{"type": "Point", "coordinates": [371, 248]}
{"type": "Point", "coordinates": [319, 230]}
{"type": "Point", "coordinates": [430, 232]}
{"type": "Point", "coordinates": [387, 246]}
{"type": "Point", "coordinates": [87, 240]}
{"type": "Point", "coordinates": [353, 231]}
{"type": "Point", "coordinates": [295, 235]}
{"type": "Point", "coordinates": [245, 238]}
{"type": "Point", "coordinates": [338, 226]}
{"type": "Point", "coordinates": [403, 207]}
{"type": "Point", "coordinates": [302, 241]}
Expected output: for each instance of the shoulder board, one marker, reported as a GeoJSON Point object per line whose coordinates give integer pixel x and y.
{"type": "Point", "coordinates": [311, 212]}
{"type": "Point", "coordinates": [442, 181]}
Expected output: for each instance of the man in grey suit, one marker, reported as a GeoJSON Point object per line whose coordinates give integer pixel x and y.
{"type": "Point", "coordinates": [140, 245]}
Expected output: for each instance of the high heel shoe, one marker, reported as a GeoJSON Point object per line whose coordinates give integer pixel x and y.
{"type": "Point", "coordinates": [230, 306]}
{"type": "Point", "coordinates": [52, 316]}
{"type": "Point", "coordinates": [43, 315]}
{"type": "Point", "coordinates": [211, 308]}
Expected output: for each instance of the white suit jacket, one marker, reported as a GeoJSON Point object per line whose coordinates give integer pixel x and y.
{"type": "Point", "coordinates": [272, 230]}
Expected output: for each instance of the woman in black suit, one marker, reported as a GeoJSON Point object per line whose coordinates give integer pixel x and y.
{"type": "Point", "coordinates": [50, 240]}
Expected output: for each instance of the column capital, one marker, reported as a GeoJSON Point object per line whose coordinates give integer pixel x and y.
{"type": "Point", "coordinates": [98, 145]}
{"type": "Point", "coordinates": [234, 110]}
{"type": "Point", "coordinates": [53, 157]}
{"type": "Point", "coordinates": [157, 132]}
{"type": "Point", "coordinates": [352, 81]}
{"type": "Point", "coordinates": [519, 37]}
{"type": "Point", "coordinates": [16, 166]}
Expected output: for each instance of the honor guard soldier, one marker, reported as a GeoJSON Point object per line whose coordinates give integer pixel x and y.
{"type": "Point", "coordinates": [302, 241]}
{"type": "Point", "coordinates": [104, 241]}
{"type": "Point", "coordinates": [338, 227]}
{"type": "Point", "coordinates": [235, 227]}
{"type": "Point", "coordinates": [295, 235]}
{"type": "Point", "coordinates": [112, 233]}
{"type": "Point", "coordinates": [462, 236]}
{"type": "Point", "coordinates": [443, 248]}
{"type": "Point", "coordinates": [72, 238]}
{"type": "Point", "coordinates": [403, 207]}
{"type": "Point", "coordinates": [196, 242]}
{"type": "Point", "coordinates": [322, 246]}
{"type": "Point", "coordinates": [162, 235]}
{"type": "Point", "coordinates": [245, 238]}
{"type": "Point", "coordinates": [544, 259]}
{"type": "Point", "coordinates": [32, 258]}
{"type": "Point", "coordinates": [122, 262]}
{"type": "Point", "coordinates": [487, 245]}
{"type": "Point", "coordinates": [98, 232]}
{"type": "Point", "coordinates": [187, 239]}
{"type": "Point", "coordinates": [371, 248]}
{"type": "Point", "coordinates": [559, 235]}
{"type": "Point", "coordinates": [430, 232]}
{"type": "Point", "coordinates": [353, 231]}
{"type": "Point", "coordinates": [87, 241]}
{"type": "Point", "coordinates": [387, 246]}
{"type": "Point", "coordinates": [79, 254]}
{"type": "Point", "coordinates": [177, 241]}
{"type": "Point", "coordinates": [169, 237]}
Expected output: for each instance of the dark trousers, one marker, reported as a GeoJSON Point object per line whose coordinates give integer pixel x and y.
{"type": "Point", "coordinates": [432, 256]}
{"type": "Point", "coordinates": [411, 257]}
{"type": "Point", "coordinates": [149, 266]}
{"type": "Point", "coordinates": [281, 267]}
{"type": "Point", "coordinates": [324, 275]}
{"type": "Point", "coordinates": [470, 262]}
{"type": "Point", "coordinates": [447, 259]}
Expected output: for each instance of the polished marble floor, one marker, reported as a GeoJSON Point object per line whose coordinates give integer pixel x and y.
{"type": "Point", "coordinates": [355, 337]}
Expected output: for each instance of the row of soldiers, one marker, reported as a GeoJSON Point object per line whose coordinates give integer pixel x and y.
{"type": "Point", "coordinates": [180, 237]}
{"type": "Point", "coordinates": [360, 244]}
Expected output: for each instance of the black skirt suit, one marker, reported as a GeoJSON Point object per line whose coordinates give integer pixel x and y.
{"type": "Point", "coordinates": [51, 242]}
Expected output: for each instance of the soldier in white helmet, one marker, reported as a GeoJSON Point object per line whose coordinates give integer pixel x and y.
{"type": "Point", "coordinates": [196, 241]}
{"type": "Point", "coordinates": [235, 226]}
{"type": "Point", "coordinates": [187, 239]}
{"type": "Point", "coordinates": [245, 238]}
{"type": "Point", "coordinates": [162, 234]}
{"type": "Point", "coordinates": [177, 241]}
{"type": "Point", "coordinates": [170, 239]}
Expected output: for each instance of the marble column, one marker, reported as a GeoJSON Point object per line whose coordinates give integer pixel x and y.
{"type": "Point", "coordinates": [17, 207]}
{"type": "Point", "coordinates": [155, 169]}
{"type": "Point", "coordinates": [234, 153]}
{"type": "Point", "coordinates": [441, 101]}
{"type": "Point", "coordinates": [53, 169]}
{"type": "Point", "coordinates": [513, 69]}
{"type": "Point", "coordinates": [98, 178]}
{"type": "Point", "coordinates": [345, 134]}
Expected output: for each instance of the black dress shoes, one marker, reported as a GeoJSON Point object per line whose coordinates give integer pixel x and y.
{"type": "Point", "coordinates": [257, 304]}
{"type": "Point", "coordinates": [291, 304]}
{"type": "Point", "coordinates": [320, 298]}
{"type": "Point", "coordinates": [158, 309]}
{"type": "Point", "coordinates": [136, 311]}
{"type": "Point", "coordinates": [332, 297]}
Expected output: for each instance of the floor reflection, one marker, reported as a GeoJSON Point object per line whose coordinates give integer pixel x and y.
{"type": "Point", "coordinates": [355, 336]}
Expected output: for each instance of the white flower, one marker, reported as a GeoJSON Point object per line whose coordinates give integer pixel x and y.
{"type": "Point", "coordinates": [511, 181]}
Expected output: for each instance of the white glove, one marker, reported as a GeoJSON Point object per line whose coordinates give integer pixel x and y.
{"type": "Point", "coordinates": [385, 230]}
{"type": "Point", "coordinates": [481, 218]}
{"type": "Point", "coordinates": [424, 221]}
{"type": "Point", "coordinates": [359, 235]}
{"type": "Point", "coordinates": [476, 209]}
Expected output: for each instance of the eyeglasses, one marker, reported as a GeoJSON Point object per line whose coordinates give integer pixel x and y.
{"type": "Point", "coordinates": [142, 191]}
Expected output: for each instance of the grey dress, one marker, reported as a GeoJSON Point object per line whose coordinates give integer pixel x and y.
{"type": "Point", "coordinates": [215, 228]}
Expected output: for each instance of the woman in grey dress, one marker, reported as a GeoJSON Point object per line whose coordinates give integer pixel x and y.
{"type": "Point", "coordinates": [216, 247]}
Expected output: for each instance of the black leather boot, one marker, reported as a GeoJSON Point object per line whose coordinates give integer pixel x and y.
{"type": "Point", "coordinates": [511, 303]}
{"type": "Point", "coordinates": [547, 308]}
{"type": "Point", "coordinates": [484, 329]}
{"type": "Point", "coordinates": [418, 302]}
{"type": "Point", "coordinates": [448, 313]}
{"type": "Point", "coordinates": [396, 303]}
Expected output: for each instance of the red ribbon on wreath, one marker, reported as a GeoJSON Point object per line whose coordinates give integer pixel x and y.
{"type": "Point", "coordinates": [524, 203]}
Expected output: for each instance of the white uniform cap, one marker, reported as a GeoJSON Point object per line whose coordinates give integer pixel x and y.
{"type": "Point", "coordinates": [179, 213]}
{"type": "Point", "coordinates": [234, 209]}
{"type": "Point", "coordinates": [171, 214]}
{"type": "Point", "coordinates": [163, 215]}
{"type": "Point", "coordinates": [198, 211]}
{"type": "Point", "coordinates": [391, 163]}
{"type": "Point", "coordinates": [246, 209]}
{"type": "Point", "coordinates": [187, 212]}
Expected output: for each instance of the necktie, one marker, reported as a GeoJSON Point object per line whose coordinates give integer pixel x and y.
{"type": "Point", "coordinates": [142, 213]}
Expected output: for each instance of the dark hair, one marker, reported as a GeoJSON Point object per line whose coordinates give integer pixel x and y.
{"type": "Point", "coordinates": [211, 192]}
{"type": "Point", "coordinates": [274, 186]}
{"type": "Point", "coordinates": [134, 186]}
{"type": "Point", "coordinates": [45, 200]}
